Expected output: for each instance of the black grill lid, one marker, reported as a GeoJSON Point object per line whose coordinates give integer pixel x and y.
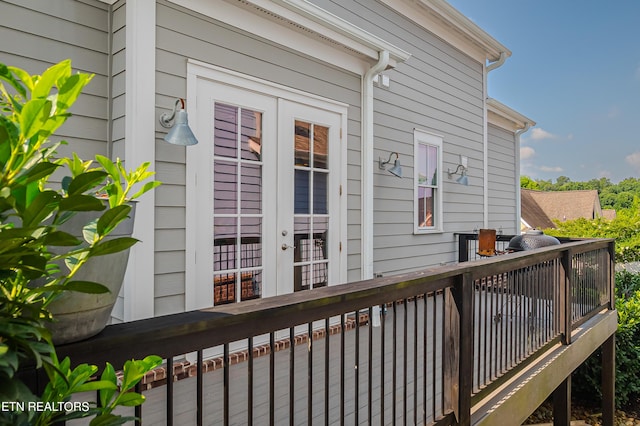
{"type": "Point", "coordinates": [530, 240]}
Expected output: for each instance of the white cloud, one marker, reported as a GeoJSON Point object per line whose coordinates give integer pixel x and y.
{"type": "Point", "coordinates": [526, 152]}
{"type": "Point", "coordinates": [613, 112]}
{"type": "Point", "coordinates": [538, 134]}
{"type": "Point", "coordinates": [555, 169]}
{"type": "Point", "coordinates": [633, 160]}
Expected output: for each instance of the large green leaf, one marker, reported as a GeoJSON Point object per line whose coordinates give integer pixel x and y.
{"type": "Point", "coordinates": [147, 187]}
{"type": "Point", "coordinates": [81, 202]}
{"type": "Point", "coordinates": [39, 171]}
{"type": "Point", "coordinates": [34, 114]}
{"type": "Point", "coordinates": [112, 246]}
{"type": "Point", "coordinates": [40, 208]}
{"type": "Point", "coordinates": [45, 83]}
{"type": "Point", "coordinates": [111, 218]}
{"type": "Point", "coordinates": [86, 287]}
{"type": "Point", "coordinates": [70, 90]}
{"type": "Point", "coordinates": [60, 238]}
{"type": "Point", "coordinates": [7, 75]}
{"type": "Point", "coordinates": [85, 181]}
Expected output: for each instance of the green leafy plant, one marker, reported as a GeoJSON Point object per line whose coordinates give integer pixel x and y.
{"type": "Point", "coordinates": [587, 378]}
{"type": "Point", "coordinates": [38, 260]}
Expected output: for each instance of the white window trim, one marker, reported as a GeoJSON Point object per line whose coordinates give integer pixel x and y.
{"type": "Point", "coordinates": [421, 137]}
{"type": "Point", "coordinates": [196, 70]}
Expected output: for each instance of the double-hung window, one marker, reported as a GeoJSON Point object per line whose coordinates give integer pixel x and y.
{"type": "Point", "coordinates": [427, 182]}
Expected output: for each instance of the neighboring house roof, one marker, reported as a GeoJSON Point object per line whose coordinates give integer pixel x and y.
{"type": "Point", "coordinates": [540, 208]}
{"type": "Point", "coordinates": [532, 213]}
{"type": "Point", "coordinates": [609, 214]}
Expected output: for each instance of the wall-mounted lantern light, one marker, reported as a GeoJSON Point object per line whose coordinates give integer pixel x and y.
{"type": "Point", "coordinates": [396, 170]}
{"type": "Point", "coordinates": [462, 169]}
{"type": "Point", "coordinates": [180, 133]}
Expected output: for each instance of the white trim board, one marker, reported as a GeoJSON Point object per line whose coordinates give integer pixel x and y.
{"type": "Point", "coordinates": [304, 27]}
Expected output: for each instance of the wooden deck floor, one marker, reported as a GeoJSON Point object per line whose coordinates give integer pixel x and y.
{"type": "Point", "coordinates": [400, 404]}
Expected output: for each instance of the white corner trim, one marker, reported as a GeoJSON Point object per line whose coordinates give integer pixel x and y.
{"type": "Point", "coordinates": [140, 147]}
{"type": "Point", "coordinates": [303, 27]}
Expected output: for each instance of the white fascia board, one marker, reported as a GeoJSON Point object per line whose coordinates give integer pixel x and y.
{"type": "Point", "coordinates": [505, 117]}
{"type": "Point", "coordinates": [446, 22]}
{"type": "Point", "coordinates": [338, 29]}
{"type": "Point", "coordinates": [304, 27]}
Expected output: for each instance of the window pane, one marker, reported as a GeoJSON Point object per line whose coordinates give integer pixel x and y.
{"type": "Point", "coordinates": [301, 184]}
{"type": "Point", "coordinates": [302, 277]}
{"type": "Point", "coordinates": [251, 188]}
{"type": "Point", "coordinates": [225, 130]}
{"type": "Point", "coordinates": [250, 242]}
{"type": "Point", "coordinates": [320, 231]}
{"type": "Point", "coordinates": [302, 143]}
{"type": "Point", "coordinates": [251, 135]}
{"type": "Point", "coordinates": [225, 187]}
{"type": "Point", "coordinates": [427, 165]}
{"type": "Point", "coordinates": [320, 146]}
{"type": "Point", "coordinates": [301, 239]}
{"type": "Point", "coordinates": [251, 285]}
{"type": "Point", "coordinates": [320, 193]}
{"type": "Point", "coordinates": [224, 289]}
{"type": "Point", "coordinates": [225, 231]}
{"type": "Point", "coordinates": [320, 274]}
{"type": "Point", "coordinates": [426, 214]}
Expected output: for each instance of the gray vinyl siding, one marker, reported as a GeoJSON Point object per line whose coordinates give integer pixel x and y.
{"type": "Point", "coordinates": [502, 180]}
{"type": "Point", "coordinates": [438, 90]}
{"type": "Point", "coordinates": [35, 35]}
{"type": "Point", "coordinates": [182, 34]}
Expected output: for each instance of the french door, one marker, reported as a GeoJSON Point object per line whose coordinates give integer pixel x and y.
{"type": "Point", "coordinates": [266, 205]}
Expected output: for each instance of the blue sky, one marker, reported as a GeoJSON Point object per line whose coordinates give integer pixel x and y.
{"type": "Point", "coordinates": [575, 71]}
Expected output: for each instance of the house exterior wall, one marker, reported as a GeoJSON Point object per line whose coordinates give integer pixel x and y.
{"type": "Point", "coordinates": [502, 180]}
{"type": "Point", "coordinates": [182, 35]}
{"type": "Point", "coordinates": [34, 35]}
{"type": "Point", "coordinates": [438, 90]}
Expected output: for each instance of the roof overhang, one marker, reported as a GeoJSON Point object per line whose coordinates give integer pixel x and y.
{"type": "Point", "coordinates": [509, 119]}
{"type": "Point", "coordinates": [304, 27]}
{"type": "Point", "coordinates": [446, 22]}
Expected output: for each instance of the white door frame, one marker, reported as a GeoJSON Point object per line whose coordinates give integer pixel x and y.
{"type": "Point", "coordinates": [199, 241]}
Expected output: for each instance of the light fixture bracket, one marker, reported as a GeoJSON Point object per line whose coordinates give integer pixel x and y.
{"type": "Point", "coordinates": [166, 119]}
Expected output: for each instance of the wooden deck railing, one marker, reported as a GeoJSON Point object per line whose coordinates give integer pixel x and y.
{"type": "Point", "coordinates": [446, 338]}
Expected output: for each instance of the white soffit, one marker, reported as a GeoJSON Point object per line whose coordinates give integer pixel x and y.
{"type": "Point", "coordinates": [304, 27]}
{"type": "Point", "coordinates": [446, 22]}
{"type": "Point", "coordinates": [505, 117]}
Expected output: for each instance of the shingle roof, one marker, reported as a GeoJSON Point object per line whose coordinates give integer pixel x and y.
{"type": "Point", "coordinates": [540, 208]}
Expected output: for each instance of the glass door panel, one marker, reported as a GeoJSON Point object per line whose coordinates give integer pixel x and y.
{"type": "Point", "coordinates": [237, 204]}
{"type": "Point", "coordinates": [310, 205]}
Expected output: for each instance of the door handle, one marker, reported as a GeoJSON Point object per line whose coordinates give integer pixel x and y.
{"type": "Point", "coordinates": [287, 246]}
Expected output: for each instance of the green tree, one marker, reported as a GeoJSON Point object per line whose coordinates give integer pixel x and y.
{"type": "Point", "coordinates": [528, 183]}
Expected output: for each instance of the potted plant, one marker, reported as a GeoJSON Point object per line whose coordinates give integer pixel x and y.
{"type": "Point", "coordinates": [40, 260]}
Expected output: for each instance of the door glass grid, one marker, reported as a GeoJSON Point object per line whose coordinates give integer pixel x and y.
{"type": "Point", "coordinates": [237, 204]}
{"type": "Point", "coordinates": [311, 218]}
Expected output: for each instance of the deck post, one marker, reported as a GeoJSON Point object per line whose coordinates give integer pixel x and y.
{"type": "Point", "coordinates": [562, 403]}
{"type": "Point", "coordinates": [565, 297]}
{"type": "Point", "coordinates": [608, 380]}
{"type": "Point", "coordinates": [458, 356]}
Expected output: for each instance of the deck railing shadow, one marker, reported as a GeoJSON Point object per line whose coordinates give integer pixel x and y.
{"type": "Point", "coordinates": [446, 337]}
